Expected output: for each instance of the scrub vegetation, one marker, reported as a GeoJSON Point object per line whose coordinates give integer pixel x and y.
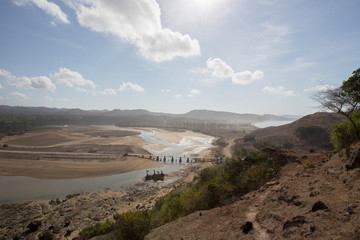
{"type": "Point", "coordinates": [212, 188]}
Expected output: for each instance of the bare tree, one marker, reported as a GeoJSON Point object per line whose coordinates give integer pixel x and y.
{"type": "Point", "coordinates": [337, 100]}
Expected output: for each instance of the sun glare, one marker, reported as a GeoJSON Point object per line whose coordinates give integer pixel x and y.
{"type": "Point", "coordinates": [205, 4]}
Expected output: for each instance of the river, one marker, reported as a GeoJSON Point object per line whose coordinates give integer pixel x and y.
{"type": "Point", "coordinates": [20, 188]}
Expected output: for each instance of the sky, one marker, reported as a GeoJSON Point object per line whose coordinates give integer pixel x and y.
{"type": "Point", "coordinates": [243, 56]}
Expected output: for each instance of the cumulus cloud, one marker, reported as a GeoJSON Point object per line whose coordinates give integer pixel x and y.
{"type": "Point", "coordinates": [131, 86]}
{"type": "Point", "coordinates": [40, 82]}
{"type": "Point", "coordinates": [221, 70]}
{"type": "Point", "coordinates": [108, 91]}
{"type": "Point", "coordinates": [19, 95]}
{"type": "Point", "coordinates": [319, 88]}
{"type": "Point", "coordinates": [246, 77]}
{"type": "Point", "coordinates": [71, 78]}
{"type": "Point", "coordinates": [48, 7]}
{"type": "Point", "coordinates": [280, 90]}
{"type": "Point", "coordinates": [136, 22]}
{"type": "Point", "coordinates": [177, 96]}
{"type": "Point", "coordinates": [194, 92]}
{"type": "Point", "coordinates": [1, 87]}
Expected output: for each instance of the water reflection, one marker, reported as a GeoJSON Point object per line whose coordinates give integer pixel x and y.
{"type": "Point", "coordinates": [19, 188]}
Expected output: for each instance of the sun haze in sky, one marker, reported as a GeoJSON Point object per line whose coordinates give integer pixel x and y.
{"type": "Point", "coordinates": [244, 56]}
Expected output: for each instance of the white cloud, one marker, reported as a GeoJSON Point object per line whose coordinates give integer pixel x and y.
{"type": "Point", "coordinates": [280, 90]}
{"type": "Point", "coordinates": [1, 87]}
{"type": "Point", "coordinates": [221, 70]}
{"type": "Point", "coordinates": [65, 100]}
{"type": "Point", "coordinates": [19, 95]}
{"type": "Point", "coordinates": [177, 96]}
{"type": "Point", "coordinates": [40, 82]}
{"type": "Point", "coordinates": [1, 98]}
{"type": "Point", "coordinates": [165, 90]}
{"type": "Point", "coordinates": [71, 78]}
{"type": "Point", "coordinates": [136, 22]}
{"type": "Point", "coordinates": [48, 7]}
{"type": "Point", "coordinates": [319, 88]}
{"type": "Point", "coordinates": [194, 92]}
{"type": "Point", "coordinates": [246, 77]}
{"type": "Point", "coordinates": [108, 91]}
{"type": "Point", "coordinates": [131, 86]}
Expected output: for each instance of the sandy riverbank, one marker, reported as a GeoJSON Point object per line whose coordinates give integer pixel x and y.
{"type": "Point", "coordinates": [64, 169]}
{"type": "Point", "coordinates": [85, 139]}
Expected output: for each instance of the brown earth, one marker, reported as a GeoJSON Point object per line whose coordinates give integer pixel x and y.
{"type": "Point", "coordinates": [287, 208]}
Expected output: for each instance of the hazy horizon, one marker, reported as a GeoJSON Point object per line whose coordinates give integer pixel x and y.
{"type": "Point", "coordinates": [259, 57]}
{"type": "Point", "coordinates": [179, 113]}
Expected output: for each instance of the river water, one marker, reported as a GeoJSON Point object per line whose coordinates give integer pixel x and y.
{"type": "Point", "coordinates": [20, 188]}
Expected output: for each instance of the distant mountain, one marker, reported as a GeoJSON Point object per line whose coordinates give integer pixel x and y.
{"type": "Point", "coordinates": [233, 118]}
{"type": "Point", "coordinates": [205, 115]}
{"type": "Point", "coordinates": [15, 120]}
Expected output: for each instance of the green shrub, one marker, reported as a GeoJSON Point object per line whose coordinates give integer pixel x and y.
{"type": "Point", "coordinates": [342, 135]}
{"type": "Point", "coordinates": [263, 145]}
{"type": "Point", "coordinates": [97, 229]}
{"type": "Point", "coordinates": [214, 185]}
{"type": "Point", "coordinates": [220, 142]}
{"type": "Point", "coordinates": [249, 138]}
{"type": "Point", "coordinates": [132, 225]}
{"type": "Point", "coordinates": [288, 145]}
{"type": "Point", "coordinates": [306, 132]}
{"type": "Point", "coordinates": [308, 164]}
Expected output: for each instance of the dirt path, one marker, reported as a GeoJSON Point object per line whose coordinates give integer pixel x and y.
{"type": "Point", "coordinates": [254, 209]}
{"type": "Point", "coordinates": [227, 149]}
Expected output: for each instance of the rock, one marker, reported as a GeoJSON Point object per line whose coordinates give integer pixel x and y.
{"type": "Point", "coordinates": [247, 227]}
{"type": "Point", "coordinates": [46, 236]}
{"type": "Point", "coordinates": [354, 161]}
{"type": "Point", "coordinates": [72, 195]}
{"type": "Point", "coordinates": [319, 205]}
{"type": "Point", "coordinates": [34, 225]}
{"type": "Point", "coordinates": [295, 222]}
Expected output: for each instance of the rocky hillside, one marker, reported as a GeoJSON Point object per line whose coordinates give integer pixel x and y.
{"type": "Point", "coordinates": [319, 201]}
{"type": "Point", "coordinates": [309, 132]}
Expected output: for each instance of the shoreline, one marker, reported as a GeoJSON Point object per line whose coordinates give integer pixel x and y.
{"type": "Point", "coordinates": [65, 217]}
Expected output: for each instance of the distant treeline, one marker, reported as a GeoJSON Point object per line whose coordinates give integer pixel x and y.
{"type": "Point", "coordinates": [18, 124]}
{"type": "Point", "coordinates": [182, 123]}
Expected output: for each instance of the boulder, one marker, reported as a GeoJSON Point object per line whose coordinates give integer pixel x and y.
{"type": "Point", "coordinates": [354, 161]}
{"type": "Point", "coordinates": [247, 227]}
{"type": "Point", "coordinates": [34, 226]}
{"type": "Point", "coordinates": [319, 205]}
